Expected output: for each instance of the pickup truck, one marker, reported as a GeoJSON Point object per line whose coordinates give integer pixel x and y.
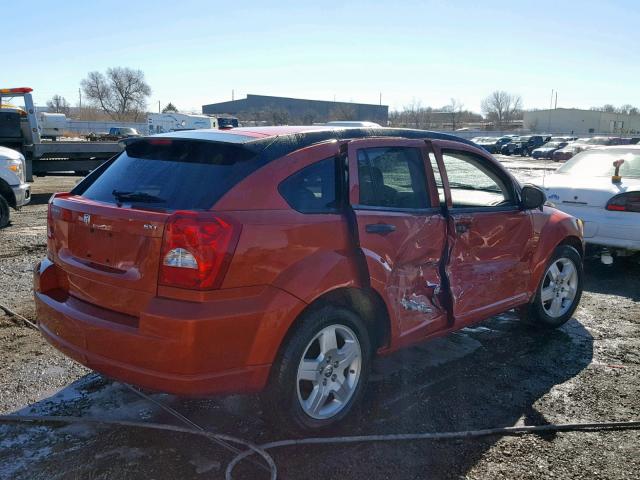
{"type": "Point", "coordinates": [14, 190]}
{"type": "Point", "coordinates": [115, 134]}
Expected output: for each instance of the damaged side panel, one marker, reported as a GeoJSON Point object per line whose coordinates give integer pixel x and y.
{"type": "Point", "coordinates": [400, 234]}
{"type": "Point", "coordinates": [405, 269]}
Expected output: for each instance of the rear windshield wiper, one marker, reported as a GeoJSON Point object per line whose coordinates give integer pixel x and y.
{"type": "Point", "coordinates": [136, 197]}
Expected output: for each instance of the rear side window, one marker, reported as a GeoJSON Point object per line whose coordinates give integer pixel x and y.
{"type": "Point", "coordinates": [170, 174]}
{"type": "Point", "coordinates": [392, 177]}
{"type": "Point", "coordinates": [313, 188]}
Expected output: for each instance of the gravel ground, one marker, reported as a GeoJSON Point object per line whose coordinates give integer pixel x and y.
{"type": "Point", "coordinates": [499, 373]}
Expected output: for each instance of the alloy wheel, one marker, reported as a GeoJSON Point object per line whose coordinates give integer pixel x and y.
{"type": "Point", "coordinates": [329, 372]}
{"type": "Point", "coordinates": [559, 287]}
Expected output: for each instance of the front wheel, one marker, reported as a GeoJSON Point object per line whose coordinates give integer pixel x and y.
{"type": "Point", "coordinates": [559, 291]}
{"type": "Point", "coordinates": [321, 371]}
{"type": "Point", "coordinates": [4, 212]}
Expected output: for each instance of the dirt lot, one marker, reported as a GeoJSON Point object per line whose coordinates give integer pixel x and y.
{"type": "Point", "coordinates": [499, 373]}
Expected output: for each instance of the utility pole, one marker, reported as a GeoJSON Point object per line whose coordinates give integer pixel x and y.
{"type": "Point", "coordinates": [550, 108]}
{"type": "Point", "coordinates": [233, 95]}
{"type": "Point", "coordinates": [380, 98]}
{"type": "Point", "coordinates": [159, 107]}
{"type": "Point", "coordinates": [556, 104]}
{"type": "Point", "coordinates": [80, 97]}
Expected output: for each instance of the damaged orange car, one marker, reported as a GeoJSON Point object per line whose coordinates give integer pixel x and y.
{"type": "Point", "coordinates": [282, 259]}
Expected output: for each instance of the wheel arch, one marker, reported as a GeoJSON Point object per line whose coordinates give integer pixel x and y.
{"type": "Point", "coordinates": [364, 302]}
{"type": "Point", "coordinates": [7, 193]}
{"type": "Point", "coordinates": [574, 242]}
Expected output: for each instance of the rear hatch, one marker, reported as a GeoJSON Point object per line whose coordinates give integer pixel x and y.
{"type": "Point", "coordinates": [107, 234]}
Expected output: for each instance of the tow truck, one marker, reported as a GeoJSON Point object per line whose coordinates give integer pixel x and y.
{"type": "Point", "coordinates": [19, 130]}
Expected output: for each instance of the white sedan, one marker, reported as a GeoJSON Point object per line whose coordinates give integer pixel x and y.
{"type": "Point", "coordinates": [606, 197]}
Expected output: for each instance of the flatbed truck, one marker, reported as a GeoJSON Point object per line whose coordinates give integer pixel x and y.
{"type": "Point", "coordinates": [20, 131]}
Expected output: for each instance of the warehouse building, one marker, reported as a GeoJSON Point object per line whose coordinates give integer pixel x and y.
{"type": "Point", "coordinates": [581, 122]}
{"type": "Point", "coordinates": [268, 110]}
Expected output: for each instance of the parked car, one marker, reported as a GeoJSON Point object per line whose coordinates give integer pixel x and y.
{"type": "Point", "coordinates": [493, 144]}
{"type": "Point", "coordinates": [15, 192]}
{"type": "Point", "coordinates": [546, 151]}
{"type": "Point", "coordinates": [563, 139]}
{"type": "Point", "coordinates": [206, 262]}
{"type": "Point", "coordinates": [605, 197]}
{"type": "Point", "coordinates": [115, 133]}
{"type": "Point", "coordinates": [522, 145]}
{"type": "Point", "coordinates": [568, 151]}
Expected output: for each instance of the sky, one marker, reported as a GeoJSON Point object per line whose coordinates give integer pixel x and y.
{"type": "Point", "coordinates": [198, 52]}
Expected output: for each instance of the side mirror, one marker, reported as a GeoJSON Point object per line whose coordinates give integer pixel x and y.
{"type": "Point", "coordinates": [533, 197]}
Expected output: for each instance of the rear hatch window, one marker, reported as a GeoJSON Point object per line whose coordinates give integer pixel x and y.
{"type": "Point", "coordinates": [169, 174]}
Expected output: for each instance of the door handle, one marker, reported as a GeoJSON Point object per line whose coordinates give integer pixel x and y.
{"type": "Point", "coordinates": [380, 228]}
{"type": "Point", "coordinates": [462, 228]}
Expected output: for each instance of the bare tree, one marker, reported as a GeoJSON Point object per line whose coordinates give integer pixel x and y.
{"type": "Point", "coordinates": [343, 111]}
{"type": "Point", "coordinates": [454, 109]}
{"type": "Point", "coordinates": [309, 117]}
{"type": "Point", "coordinates": [170, 107]}
{"type": "Point", "coordinates": [58, 104]}
{"type": "Point", "coordinates": [275, 115]}
{"type": "Point", "coordinates": [608, 108]}
{"type": "Point", "coordinates": [502, 107]}
{"type": "Point", "coordinates": [122, 93]}
{"type": "Point", "coordinates": [413, 114]}
{"type": "Point", "coordinates": [627, 109]}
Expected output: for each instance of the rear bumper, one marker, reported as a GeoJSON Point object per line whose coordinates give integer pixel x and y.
{"type": "Point", "coordinates": [22, 193]}
{"type": "Point", "coordinates": [184, 348]}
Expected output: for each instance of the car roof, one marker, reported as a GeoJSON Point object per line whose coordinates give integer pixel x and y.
{"type": "Point", "coordinates": [213, 134]}
{"type": "Point", "coordinates": [274, 142]}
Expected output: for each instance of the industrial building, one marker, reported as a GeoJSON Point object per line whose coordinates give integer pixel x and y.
{"type": "Point", "coordinates": [581, 122]}
{"type": "Point", "coordinates": [264, 109]}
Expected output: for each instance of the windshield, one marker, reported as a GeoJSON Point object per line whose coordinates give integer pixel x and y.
{"type": "Point", "coordinates": [599, 163]}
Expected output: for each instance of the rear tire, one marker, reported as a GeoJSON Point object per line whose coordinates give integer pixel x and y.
{"type": "Point", "coordinates": [4, 212]}
{"type": "Point", "coordinates": [316, 381]}
{"type": "Point", "coordinates": [559, 291]}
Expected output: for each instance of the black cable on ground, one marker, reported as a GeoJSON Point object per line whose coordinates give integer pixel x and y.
{"type": "Point", "coordinates": [261, 449]}
{"type": "Point", "coordinates": [13, 314]}
{"type": "Point", "coordinates": [273, 470]}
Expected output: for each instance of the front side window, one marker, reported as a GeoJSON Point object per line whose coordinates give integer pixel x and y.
{"type": "Point", "coordinates": [313, 188]}
{"type": "Point", "coordinates": [473, 183]}
{"type": "Point", "coordinates": [392, 177]}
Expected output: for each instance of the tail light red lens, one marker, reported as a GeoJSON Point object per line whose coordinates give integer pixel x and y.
{"type": "Point", "coordinates": [196, 250]}
{"type": "Point", "coordinates": [54, 212]}
{"type": "Point", "coordinates": [625, 202]}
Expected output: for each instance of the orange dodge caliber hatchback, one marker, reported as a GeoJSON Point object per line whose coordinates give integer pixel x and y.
{"type": "Point", "coordinates": [284, 258]}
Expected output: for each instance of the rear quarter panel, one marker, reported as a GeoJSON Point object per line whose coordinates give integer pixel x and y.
{"type": "Point", "coordinates": [305, 255]}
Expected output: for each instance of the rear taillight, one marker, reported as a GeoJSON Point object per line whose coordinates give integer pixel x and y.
{"type": "Point", "coordinates": [54, 212]}
{"type": "Point", "coordinates": [196, 250]}
{"type": "Point", "coordinates": [625, 202]}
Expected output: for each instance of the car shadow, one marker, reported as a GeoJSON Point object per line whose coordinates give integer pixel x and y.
{"type": "Point", "coordinates": [40, 198]}
{"type": "Point", "coordinates": [491, 375]}
{"type": "Point", "coordinates": [613, 279]}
